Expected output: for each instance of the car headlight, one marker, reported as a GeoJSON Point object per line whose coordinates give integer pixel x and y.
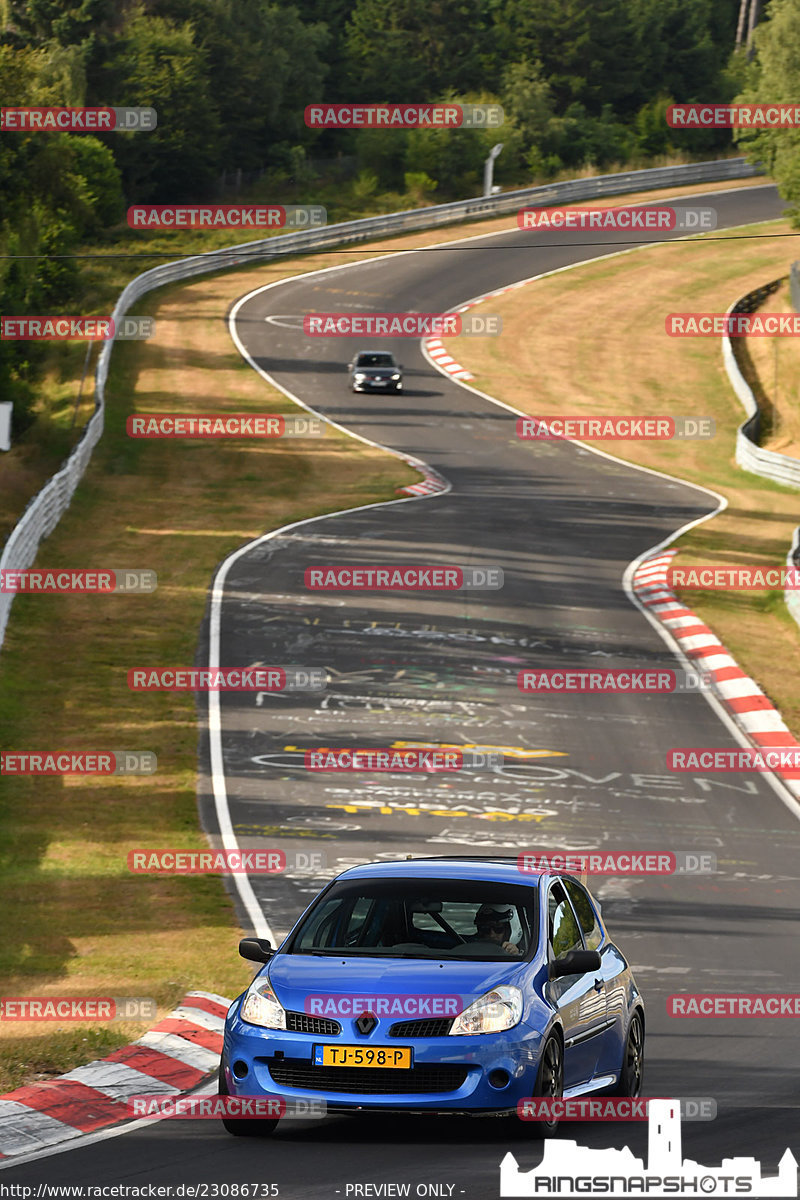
{"type": "Point", "coordinates": [359, 375]}
{"type": "Point", "coordinates": [262, 1007]}
{"type": "Point", "coordinates": [395, 376]}
{"type": "Point", "coordinates": [498, 1010]}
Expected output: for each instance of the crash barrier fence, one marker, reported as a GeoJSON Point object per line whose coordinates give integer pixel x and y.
{"type": "Point", "coordinates": [790, 595]}
{"type": "Point", "coordinates": [794, 285]}
{"type": "Point", "coordinates": [749, 455]}
{"type": "Point", "coordinates": [44, 511]}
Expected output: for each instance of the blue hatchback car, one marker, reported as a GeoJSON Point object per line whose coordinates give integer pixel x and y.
{"type": "Point", "coordinates": [452, 985]}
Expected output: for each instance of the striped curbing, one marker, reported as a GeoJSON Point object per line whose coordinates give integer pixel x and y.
{"type": "Point", "coordinates": [174, 1056]}
{"type": "Point", "coordinates": [752, 711]}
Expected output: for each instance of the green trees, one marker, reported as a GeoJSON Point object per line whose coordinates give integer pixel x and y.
{"type": "Point", "coordinates": [773, 77]}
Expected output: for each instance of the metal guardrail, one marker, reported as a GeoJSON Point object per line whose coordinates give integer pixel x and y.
{"type": "Point", "coordinates": [44, 511]}
{"type": "Point", "coordinates": [794, 285]}
{"type": "Point", "coordinates": [791, 595]}
{"type": "Point", "coordinates": [778, 467]}
{"type": "Point", "coordinates": [749, 455]}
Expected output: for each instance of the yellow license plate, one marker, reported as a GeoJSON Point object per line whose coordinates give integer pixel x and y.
{"type": "Point", "coordinates": [362, 1056]}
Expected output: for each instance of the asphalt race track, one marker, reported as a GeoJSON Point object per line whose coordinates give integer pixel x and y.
{"type": "Point", "coordinates": [441, 668]}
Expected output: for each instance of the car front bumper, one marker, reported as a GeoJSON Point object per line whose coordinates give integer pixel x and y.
{"type": "Point", "coordinates": [277, 1062]}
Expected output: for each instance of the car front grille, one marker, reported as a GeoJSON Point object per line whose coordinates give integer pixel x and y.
{"type": "Point", "coordinates": [428, 1027]}
{"type": "Point", "coordinates": [297, 1022]}
{"type": "Point", "coordinates": [384, 1081]}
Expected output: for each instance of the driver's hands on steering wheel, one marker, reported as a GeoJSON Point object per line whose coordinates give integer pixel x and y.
{"type": "Point", "coordinates": [510, 948]}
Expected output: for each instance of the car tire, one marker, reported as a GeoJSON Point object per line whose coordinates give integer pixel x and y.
{"type": "Point", "coordinates": [244, 1126]}
{"type": "Point", "coordinates": [550, 1083]}
{"type": "Point", "coordinates": [632, 1073]}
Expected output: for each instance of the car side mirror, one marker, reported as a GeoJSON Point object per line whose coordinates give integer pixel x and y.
{"type": "Point", "coordinates": [256, 949]}
{"type": "Point", "coordinates": [575, 962]}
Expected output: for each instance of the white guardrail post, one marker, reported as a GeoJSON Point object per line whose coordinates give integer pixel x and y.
{"type": "Point", "coordinates": [44, 511]}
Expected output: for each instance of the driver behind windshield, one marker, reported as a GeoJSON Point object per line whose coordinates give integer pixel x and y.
{"type": "Point", "coordinates": [493, 924]}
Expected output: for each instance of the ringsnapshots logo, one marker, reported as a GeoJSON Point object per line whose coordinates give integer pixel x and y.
{"type": "Point", "coordinates": [732, 578]}
{"type": "Point", "coordinates": [81, 1009]}
{"type": "Point", "coordinates": [732, 1005]}
{"type": "Point", "coordinates": [742, 324]}
{"type": "Point", "coordinates": [402, 324]}
{"type": "Point", "coordinates": [733, 116]}
{"type": "Point", "coordinates": [78, 120]}
{"type": "Point", "coordinates": [41, 581]}
{"type": "Point", "coordinates": [404, 116]}
{"type": "Point", "coordinates": [228, 679]}
{"type": "Point", "coordinates": [785, 759]}
{"type": "Point", "coordinates": [613, 429]}
{"type": "Point", "coordinates": [567, 1169]}
{"type": "Point", "coordinates": [622, 681]}
{"type": "Point", "coordinates": [193, 1107]}
{"type": "Point", "coordinates": [394, 759]}
{"type": "Point", "coordinates": [223, 425]}
{"type": "Point", "coordinates": [241, 861]}
{"type": "Point", "coordinates": [76, 329]}
{"type": "Point", "coordinates": [623, 219]}
{"type": "Point", "coordinates": [403, 579]}
{"type": "Point", "coordinates": [608, 1108]}
{"type": "Point", "coordinates": [227, 216]}
{"type": "Point", "coordinates": [70, 762]}
{"type": "Point", "coordinates": [617, 862]}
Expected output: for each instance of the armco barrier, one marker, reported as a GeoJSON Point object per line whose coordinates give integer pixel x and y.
{"type": "Point", "coordinates": [749, 455]}
{"type": "Point", "coordinates": [44, 511]}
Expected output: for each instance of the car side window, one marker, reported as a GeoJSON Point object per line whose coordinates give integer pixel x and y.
{"type": "Point", "coordinates": [592, 932]}
{"type": "Point", "coordinates": [563, 928]}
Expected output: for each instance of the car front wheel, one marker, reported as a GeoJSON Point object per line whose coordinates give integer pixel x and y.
{"type": "Point", "coordinates": [632, 1073]}
{"type": "Point", "coordinates": [244, 1126]}
{"type": "Point", "coordinates": [549, 1084]}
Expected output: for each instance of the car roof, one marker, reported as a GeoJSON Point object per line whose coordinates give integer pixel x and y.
{"type": "Point", "coordinates": [376, 350]}
{"type": "Point", "coordinates": [502, 869]}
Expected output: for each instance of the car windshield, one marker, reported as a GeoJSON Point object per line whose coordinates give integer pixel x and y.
{"type": "Point", "coordinates": [375, 360]}
{"type": "Point", "coordinates": [421, 918]}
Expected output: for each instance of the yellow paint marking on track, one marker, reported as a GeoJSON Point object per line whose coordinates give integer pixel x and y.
{"type": "Point", "coordinates": [410, 811]}
{"type": "Point", "coordinates": [510, 751]}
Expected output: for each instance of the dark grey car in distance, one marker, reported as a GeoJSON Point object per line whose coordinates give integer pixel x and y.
{"type": "Point", "coordinates": [375, 369]}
